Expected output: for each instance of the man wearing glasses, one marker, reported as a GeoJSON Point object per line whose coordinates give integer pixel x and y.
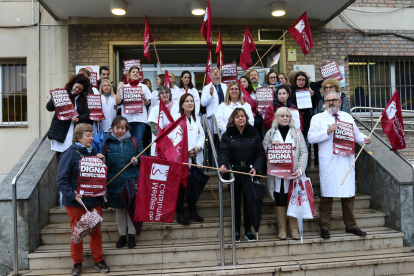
{"type": "Point", "coordinates": [333, 167]}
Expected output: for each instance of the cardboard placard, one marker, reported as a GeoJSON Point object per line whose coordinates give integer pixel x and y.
{"type": "Point", "coordinates": [135, 62]}
{"type": "Point", "coordinates": [95, 107]}
{"type": "Point", "coordinates": [132, 100]}
{"type": "Point", "coordinates": [280, 160]}
{"type": "Point", "coordinates": [264, 98]}
{"type": "Point", "coordinates": [94, 79]}
{"type": "Point", "coordinates": [229, 73]}
{"type": "Point", "coordinates": [91, 176]}
{"type": "Point", "coordinates": [344, 139]}
{"type": "Point", "coordinates": [63, 105]}
{"type": "Point", "coordinates": [331, 70]}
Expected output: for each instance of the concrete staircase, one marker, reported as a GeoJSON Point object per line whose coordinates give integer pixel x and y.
{"type": "Point", "coordinates": [173, 249]}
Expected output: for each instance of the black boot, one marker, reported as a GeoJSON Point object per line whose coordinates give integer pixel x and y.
{"type": "Point", "coordinates": [194, 216]}
{"type": "Point", "coordinates": [131, 241]}
{"type": "Point", "coordinates": [121, 242]}
{"type": "Point", "coordinates": [183, 220]}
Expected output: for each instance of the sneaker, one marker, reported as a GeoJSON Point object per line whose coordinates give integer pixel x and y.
{"type": "Point", "coordinates": [121, 242]}
{"type": "Point", "coordinates": [101, 267]}
{"type": "Point", "coordinates": [250, 237]}
{"type": "Point", "coordinates": [237, 237]}
{"type": "Point", "coordinates": [131, 241]}
{"type": "Point", "coordinates": [77, 269]}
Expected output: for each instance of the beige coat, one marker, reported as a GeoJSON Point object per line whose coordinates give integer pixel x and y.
{"type": "Point", "coordinates": [299, 160]}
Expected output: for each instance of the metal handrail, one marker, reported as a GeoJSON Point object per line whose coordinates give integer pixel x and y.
{"type": "Point", "coordinates": [14, 206]}
{"type": "Point", "coordinates": [220, 185]}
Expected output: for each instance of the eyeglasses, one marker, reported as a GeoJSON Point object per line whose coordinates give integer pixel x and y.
{"type": "Point", "coordinates": [301, 79]}
{"type": "Point", "coordinates": [164, 93]}
{"type": "Point", "coordinates": [329, 87]}
{"type": "Point", "coordinates": [331, 101]}
{"type": "Point", "coordinates": [273, 78]}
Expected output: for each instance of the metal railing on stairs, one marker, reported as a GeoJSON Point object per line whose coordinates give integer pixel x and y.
{"type": "Point", "coordinates": [14, 206]}
{"type": "Point", "coordinates": [209, 129]}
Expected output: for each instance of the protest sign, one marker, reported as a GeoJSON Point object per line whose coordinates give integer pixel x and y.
{"type": "Point", "coordinates": [303, 98]}
{"type": "Point", "coordinates": [344, 139]}
{"type": "Point", "coordinates": [331, 70]}
{"type": "Point", "coordinates": [229, 73]}
{"type": "Point", "coordinates": [132, 100]}
{"type": "Point", "coordinates": [135, 62]}
{"type": "Point", "coordinates": [94, 79]}
{"type": "Point", "coordinates": [264, 98]}
{"type": "Point", "coordinates": [95, 107]}
{"type": "Point", "coordinates": [63, 105]}
{"type": "Point", "coordinates": [92, 176]}
{"type": "Point", "coordinates": [280, 160]}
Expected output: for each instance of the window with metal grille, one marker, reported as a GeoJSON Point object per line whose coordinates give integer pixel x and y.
{"type": "Point", "coordinates": [374, 80]}
{"type": "Point", "coordinates": [13, 92]}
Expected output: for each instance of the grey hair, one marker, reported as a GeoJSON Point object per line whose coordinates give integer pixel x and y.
{"type": "Point", "coordinates": [166, 89]}
{"type": "Point", "coordinates": [283, 109]}
{"type": "Point", "coordinates": [337, 93]}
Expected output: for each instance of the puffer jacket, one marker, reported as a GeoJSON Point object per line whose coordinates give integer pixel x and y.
{"type": "Point", "coordinates": [344, 106]}
{"type": "Point", "coordinates": [299, 160]}
{"type": "Point", "coordinates": [240, 150]}
{"type": "Point", "coordinates": [67, 176]}
{"type": "Point", "coordinates": [117, 156]}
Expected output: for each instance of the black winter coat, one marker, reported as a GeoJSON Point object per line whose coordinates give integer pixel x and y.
{"type": "Point", "coordinates": [241, 150]}
{"type": "Point", "coordinates": [67, 176]}
{"type": "Point", "coordinates": [58, 129]}
{"type": "Point", "coordinates": [306, 113]}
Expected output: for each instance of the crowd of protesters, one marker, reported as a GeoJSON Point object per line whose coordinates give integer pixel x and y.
{"type": "Point", "coordinates": [245, 135]}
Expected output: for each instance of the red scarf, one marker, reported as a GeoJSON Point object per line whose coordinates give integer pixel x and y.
{"type": "Point", "coordinates": [133, 83]}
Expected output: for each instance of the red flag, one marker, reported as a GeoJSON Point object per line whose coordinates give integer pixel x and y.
{"type": "Point", "coordinates": [157, 192]}
{"type": "Point", "coordinates": [167, 80]}
{"type": "Point", "coordinates": [208, 69]}
{"type": "Point", "coordinates": [301, 32]}
{"type": "Point", "coordinates": [219, 52]}
{"type": "Point", "coordinates": [164, 118]}
{"type": "Point", "coordinates": [248, 47]}
{"type": "Point", "coordinates": [392, 123]}
{"type": "Point", "coordinates": [248, 98]}
{"type": "Point", "coordinates": [147, 39]}
{"type": "Point", "coordinates": [207, 28]}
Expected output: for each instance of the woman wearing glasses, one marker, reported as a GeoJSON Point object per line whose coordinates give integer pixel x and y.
{"type": "Point", "coordinates": [272, 80]}
{"type": "Point", "coordinates": [332, 85]}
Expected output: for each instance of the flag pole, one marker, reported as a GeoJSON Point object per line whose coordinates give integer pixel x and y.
{"type": "Point", "coordinates": [260, 59]}
{"type": "Point", "coordinates": [155, 48]}
{"type": "Point", "coordinates": [213, 168]}
{"type": "Point", "coordinates": [379, 119]}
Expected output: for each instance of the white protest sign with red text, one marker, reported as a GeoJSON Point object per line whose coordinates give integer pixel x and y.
{"type": "Point", "coordinates": [280, 160]}
{"type": "Point", "coordinates": [132, 100]}
{"type": "Point", "coordinates": [63, 105]}
{"type": "Point", "coordinates": [95, 107]}
{"type": "Point", "coordinates": [264, 98]}
{"type": "Point", "coordinates": [135, 62]}
{"type": "Point", "coordinates": [229, 73]}
{"type": "Point", "coordinates": [94, 79]}
{"type": "Point", "coordinates": [331, 70]}
{"type": "Point", "coordinates": [92, 176]}
{"type": "Point", "coordinates": [344, 139]}
{"type": "Point", "coordinates": [158, 185]}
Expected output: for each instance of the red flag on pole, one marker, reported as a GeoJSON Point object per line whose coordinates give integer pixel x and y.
{"type": "Point", "coordinates": [219, 52]}
{"type": "Point", "coordinates": [147, 39]}
{"type": "Point", "coordinates": [164, 118]}
{"type": "Point", "coordinates": [392, 123]}
{"type": "Point", "coordinates": [207, 28]}
{"type": "Point", "coordinates": [167, 80]}
{"type": "Point", "coordinates": [208, 69]}
{"type": "Point", "coordinates": [158, 185]}
{"type": "Point", "coordinates": [248, 98]}
{"type": "Point", "coordinates": [301, 32]}
{"type": "Point", "coordinates": [247, 48]}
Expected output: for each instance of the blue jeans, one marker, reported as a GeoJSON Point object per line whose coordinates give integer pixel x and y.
{"type": "Point", "coordinates": [137, 129]}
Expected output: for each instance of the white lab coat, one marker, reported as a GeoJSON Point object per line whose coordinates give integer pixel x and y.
{"type": "Point", "coordinates": [153, 117]}
{"type": "Point", "coordinates": [138, 117]}
{"type": "Point", "coordinates": [196, 138]}
{"type": "Point", "coordinates": [224, 111]}
{"type": "Point", "coordinates": [176, 94]}
{"type": "Point", "coordinates": [196, 97]}
{"type": "Point", "coordinates": [211, 102]}
{"type": "Point", "coordinates": [154, 101]}
{"type": "Point", "coordinates": [109, 110]}
{"type": "Point", "coordinates": [332, 167]}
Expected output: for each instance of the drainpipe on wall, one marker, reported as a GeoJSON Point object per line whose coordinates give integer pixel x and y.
{"type": "Point", "coordinates": [38, 68]}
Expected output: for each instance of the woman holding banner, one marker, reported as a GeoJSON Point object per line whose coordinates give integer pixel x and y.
{"type": "Point", "coordinates": [137, 119]}
{"type": "Point", "coordinates": [61, 132]}
{"type": "Point", "coordinates": [67, 179]}
{"type": "Point", "coordinates": [233, 100]}
{"type": "Point", "coordinates": [242, 148]}
{"type": "Point", "coordinates": [119, 149]}
{"type": "Point", "coordinates": [187, 86]}
{"type": "Point", "coordinates": [109, 106]}
{"type": "Point", "coordinates": [283, 131]}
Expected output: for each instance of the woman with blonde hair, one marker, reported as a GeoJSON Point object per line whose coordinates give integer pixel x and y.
{"type": "Point", "coordinates": [332, 85]}
{"type": "Point", "coordinates": [109, 106]}
{"type": "Point", "coordinates": [283, 131]}
{"type": "Point", "coordinates": [233, 100]}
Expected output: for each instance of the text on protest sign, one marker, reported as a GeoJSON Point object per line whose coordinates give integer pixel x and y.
{"type": "Point", "coordinates": [344, 139]}
{"type": "Point", "coordinates": [95, 108]}
{"type": "Point", "coordinates": [132, 97]}
{"type": "Point", "coordinates": [92, 176]}
{"type": "Point", "coordinates": [264, 98]}
{"type": "Point", "coordinates": [280, 160]}
{"type": "Point", "coordinates": [331, 70]}
{"type": "Point", "coordinates": [63, 105]}
{"type": "Point", "coordinates": [135, 62]}
{"type": "Point", "coordinates": [94, 79]}
{"type": "Point", "coordinates": [229, 73]}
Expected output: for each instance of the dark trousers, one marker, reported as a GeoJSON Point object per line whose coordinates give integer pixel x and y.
{"type": "Point", "coordinates": [180, 202]}
{"type": "Point", "coordinates": [210, 161]}
{"type": "Point", "coordinates": [281, 199]}
{"type": "Point", "coordinates": [325, 211]}
{"type": "Point", "coordinates": [238, 188]}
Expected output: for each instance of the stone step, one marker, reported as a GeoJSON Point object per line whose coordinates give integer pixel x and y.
{"type": "Point", "coordinates": [210, 208]}
{"type": "Point", "coordinates": [60, 233]}
{"type": "Point", "coordinates": [366, 262]}
{"type": "Point", "coordinates": [208, 249]}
